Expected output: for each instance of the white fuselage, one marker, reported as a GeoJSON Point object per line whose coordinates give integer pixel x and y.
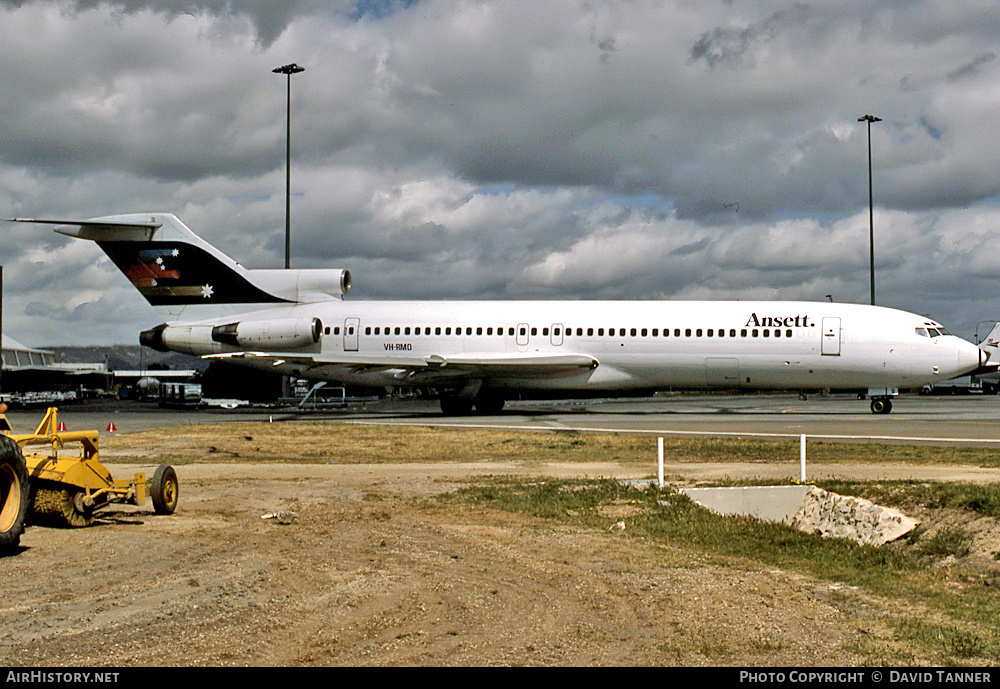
{"type": "Point", "coordinates": [296, 322]}
{"type": "Point", "coordinates": [636, 344]}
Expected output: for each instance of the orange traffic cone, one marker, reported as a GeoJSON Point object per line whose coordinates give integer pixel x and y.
{"type": "Point", "coordinates": [61, 427]}
{"type": "Point", "coordinates": [111, 427]}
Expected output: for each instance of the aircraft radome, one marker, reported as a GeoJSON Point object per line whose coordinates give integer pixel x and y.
{"type": "Point", "coordinates": [479, 353]}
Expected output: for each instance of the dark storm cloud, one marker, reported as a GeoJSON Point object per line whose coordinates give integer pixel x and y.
{"type": "Point", "coordinates": [460, 148]}
{"type": "Point", "coordinates": [269, 18]}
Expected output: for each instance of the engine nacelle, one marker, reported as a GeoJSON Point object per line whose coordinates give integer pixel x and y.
{"type": "Point", "coordinates": [275, 335]}
{"type": "Point", "coordinates": [305, 285]}
{"type": "Point", "coordinates": [278, 334]}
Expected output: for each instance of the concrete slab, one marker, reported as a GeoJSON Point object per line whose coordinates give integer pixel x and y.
{"type": "Point", "coordinates": [768, 503]}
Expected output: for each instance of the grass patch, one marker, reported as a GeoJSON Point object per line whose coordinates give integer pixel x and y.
{"type": "Point", "coordinates": [965, 612]}
{"type": "Point", "coordinates": [980, 499]}
{"type": "Point", "coordinates": [309, 441]}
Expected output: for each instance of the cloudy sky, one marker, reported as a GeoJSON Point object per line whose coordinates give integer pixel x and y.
{"type": "Point", "coordinates": [509, 149]}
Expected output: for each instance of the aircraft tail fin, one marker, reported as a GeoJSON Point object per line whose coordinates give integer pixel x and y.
{"type": "Point", "coordinates": [184, 277]}
{"type": "Point", "coordinates": [991, 343]}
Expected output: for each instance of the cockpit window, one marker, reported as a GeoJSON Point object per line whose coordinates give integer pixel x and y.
{"type": "Point", "coordinates": [933, 332]}
{"type": "Point", "coordinates": [921, 331]}
{"type": "Point", "coordinates": [943, 331]}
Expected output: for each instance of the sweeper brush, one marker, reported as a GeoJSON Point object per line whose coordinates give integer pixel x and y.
{"type": "Point", "coordinates": [68, 488]}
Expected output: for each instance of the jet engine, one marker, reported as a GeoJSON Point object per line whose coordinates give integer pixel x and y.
{"type": "Point", "coordinates": [277, 334]}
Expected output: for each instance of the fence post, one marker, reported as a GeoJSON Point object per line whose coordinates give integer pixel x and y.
{"type": "Point", "coordinates": [802, 458]}
{"type": "Point", "coordinates": [659, 464]}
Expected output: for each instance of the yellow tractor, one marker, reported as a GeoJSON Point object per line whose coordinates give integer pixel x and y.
{"type": "Point", "coordinates": [13, 488]}
{"type": "Point", "coordinates": [67, 489]}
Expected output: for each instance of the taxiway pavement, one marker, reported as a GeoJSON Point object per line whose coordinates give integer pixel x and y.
{"type": "Point", "coordinates": [964, 420]}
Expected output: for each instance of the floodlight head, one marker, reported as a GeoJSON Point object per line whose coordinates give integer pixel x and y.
{"type": "Point", "coordinates": [869, 118]}
{"type": "Point", "coordinates": [289, 69]}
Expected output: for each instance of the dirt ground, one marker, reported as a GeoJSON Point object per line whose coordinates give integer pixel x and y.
{"type": "Point", "coordinates": [365, 575]}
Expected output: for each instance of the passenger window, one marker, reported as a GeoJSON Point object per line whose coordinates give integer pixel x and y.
{"type": "Point", "coordinates": [479, 331]}
{"type": "Point", "coordinates": [534, 331]}
{"type": "Point", "coordinates": [600, 332]}
{"type": "Point", "coordinates": [698, 332]}
{"type": "Point", "coordinates": [368, 331]}
{"type": "Point", "coordinates": [632, 332]}
{"type": "Point", "coordinates": [710, 333]}
{"type": "Point", "coordinates": [732, 332]}
{"type": "Point", "coordinates": [621, 332]}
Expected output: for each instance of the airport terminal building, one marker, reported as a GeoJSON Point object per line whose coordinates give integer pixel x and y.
{"type": "Point", "coordinates": [27, 369]}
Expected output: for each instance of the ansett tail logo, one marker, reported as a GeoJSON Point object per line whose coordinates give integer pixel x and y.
{"type": "Point", "coordinates": [756, 321]}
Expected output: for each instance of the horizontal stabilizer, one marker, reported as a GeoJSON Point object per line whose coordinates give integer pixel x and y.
{"type": "Point", "coordinates": [95, 224]}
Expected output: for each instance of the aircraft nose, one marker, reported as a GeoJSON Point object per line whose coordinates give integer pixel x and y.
{"type": "Point", "coordinates": [969, 357]}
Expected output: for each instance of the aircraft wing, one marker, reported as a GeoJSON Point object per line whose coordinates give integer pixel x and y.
{"type": "Point", "coordinates": [467, 365]}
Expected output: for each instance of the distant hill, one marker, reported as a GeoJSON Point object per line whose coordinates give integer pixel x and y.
{"type": "Point", "coordinates": [128, 357]}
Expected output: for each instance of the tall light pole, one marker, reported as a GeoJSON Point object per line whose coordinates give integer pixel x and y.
{"type": "Point", "coordinates": [288, 70]}
{"type": "Point", "coordinates": [871, 208]}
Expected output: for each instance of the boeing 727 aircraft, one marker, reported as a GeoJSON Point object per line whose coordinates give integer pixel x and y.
{"type": "Point", "coordinates": [480, 353]}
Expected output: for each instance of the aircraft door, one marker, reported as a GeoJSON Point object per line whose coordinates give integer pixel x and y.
{"type": "Point", "coordinates": [830, 345]}
{"type": "Point", "coordinates": [522, 335]}
{"type": "Point", "coordinates": [556, 337]}
{"type": "Point", "coordinates": [351, 328]}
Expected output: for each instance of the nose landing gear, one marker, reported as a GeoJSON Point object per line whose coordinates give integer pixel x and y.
{"type": "Point", "coordinates": [881, 405]}
{"type": "Point", "coordinates": [882, 399]}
